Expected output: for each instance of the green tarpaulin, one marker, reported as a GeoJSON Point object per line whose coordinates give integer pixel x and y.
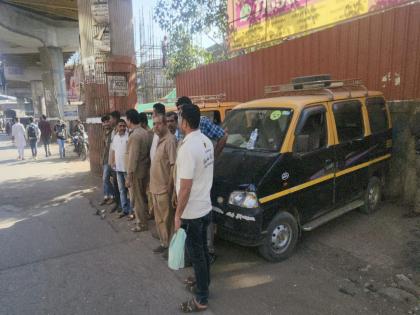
{"type": "Point", "coordinates": [169, 100]}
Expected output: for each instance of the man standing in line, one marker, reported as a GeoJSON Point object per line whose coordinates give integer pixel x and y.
{"type": "Point", "coordinates": [138, 168]}
{"type": "Point", "coordinates": [45, 128]}
{"type": "Point", "coordinates": [219, 136]}
{"type": "Point", "coordinates": [144, 124]}
{"type": "Point", "coordinates": [61, 135]}
{"type": "Point", "coordinates": [114, 118]}
{"type": "Point", "coordinates": [19, 138]}
{"type": "Point", "coordinates": [194, 178]}
{"type": "Point", "coordinates": [161, 182]}
{"type": "Point", "coordinates": [158, 109]}
{"type": "Point", "coordinates": [172, 121]}
{"type": "Point", "coordinates": [33, 135]}
{"type": "Point", "coordinates": [118, 151]}
{"type": "Point", "coordinates": [106, 167]}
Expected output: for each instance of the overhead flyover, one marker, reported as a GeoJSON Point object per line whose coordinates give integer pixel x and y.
{"type": "Point", "coordinates": [36, 38]}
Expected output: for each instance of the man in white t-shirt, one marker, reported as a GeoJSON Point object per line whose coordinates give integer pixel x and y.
{"type": "Point", "coordinates": [118, 152]}
{"type": "Point", "coordinates": [194, 179]}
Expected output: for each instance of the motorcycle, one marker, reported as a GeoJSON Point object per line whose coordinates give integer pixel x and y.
{"type": "Point", "coordinates": [81, 144]}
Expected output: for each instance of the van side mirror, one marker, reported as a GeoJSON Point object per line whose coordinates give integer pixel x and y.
{"type": "Point", "coordinates": [301, 144]}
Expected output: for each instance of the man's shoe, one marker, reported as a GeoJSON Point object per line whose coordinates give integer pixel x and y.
{"type": "Point", "coordinates": [165, 254]}
{"type": "Point", "coordinates": [110, 201]}
{"type": "Point", "coordinates": [103, 202]}
{"type": "Point", "coordinates": [159, 250]}
{"type": "Point", "coordinates": [119, 210]}
{"type": "Point", "coordinates": [114, 208]}
{"type": "Point", "coordinates": [212, 258]}
{"type": "Point", "coordinates": [122, 215]}
{"type": "Point", "coordinates": [139, 228]}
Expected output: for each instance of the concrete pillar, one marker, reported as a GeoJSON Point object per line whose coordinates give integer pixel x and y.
{"type": "Point", "coordinates": [37, 89]}
{"type": "Point", "coordinates": [107, 51]}
{"type": "Point", "coordinates": [53, 79]}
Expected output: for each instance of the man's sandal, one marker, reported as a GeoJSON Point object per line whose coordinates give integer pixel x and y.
{"type": "Point", "coordinates": [191, 306]}
{"type": "Point", "coordinates": [139, 228]}
{"type": "Point", "coordinates": [190, 280]}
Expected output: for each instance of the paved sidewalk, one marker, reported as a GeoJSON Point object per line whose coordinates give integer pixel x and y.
{"type": "Point", "coordinates": [57, 257]}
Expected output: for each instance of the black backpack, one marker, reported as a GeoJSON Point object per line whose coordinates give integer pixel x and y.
{"type": "Point", "coordinates": [31, 131]}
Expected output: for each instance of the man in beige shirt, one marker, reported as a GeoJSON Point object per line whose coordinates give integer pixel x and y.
{"type": "Point", "coordinates": [138, 167]}
{"type": "Point", "coordinates": [161, 181]}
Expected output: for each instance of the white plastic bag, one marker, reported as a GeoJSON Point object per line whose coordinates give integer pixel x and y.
{"type": "Point", "coordinates": [176, 250]}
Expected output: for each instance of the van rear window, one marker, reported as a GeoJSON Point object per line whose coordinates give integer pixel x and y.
{"type": "Point", "coordinates": [378, 117]}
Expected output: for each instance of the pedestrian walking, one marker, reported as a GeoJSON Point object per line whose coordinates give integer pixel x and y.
{"type": "Point", "coordinates": [161, 182]}
{"type": "Point", "coordinates": [19, 138]}
{"type": "Point", "coordinates": [108, 189]}
{"type": "Point", "coordinates": [33, 135]}
{"type": "Point", "coordinates": [61, 135]}
{"type": "Point", "coordinates": [45, 128]}
{"type": "Point", "coordinates": [8, 128]}
{"type": "Point", "coordinates": [194, 178]}
{"type": "Point", "coordinates": [138, 167]}
{"type": "Point", "coordinates": [118, 152]}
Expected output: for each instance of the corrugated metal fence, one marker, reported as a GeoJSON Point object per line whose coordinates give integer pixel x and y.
{"type": "Point", "coordinates": [383, 50]}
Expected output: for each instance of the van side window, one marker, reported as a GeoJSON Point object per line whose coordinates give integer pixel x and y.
{"type": "Point", "coordinates": [378, 117]}
{"type": "Point", "coordinates": [311, 132]}
{"type": "Point", "coordinates": [348, 120]}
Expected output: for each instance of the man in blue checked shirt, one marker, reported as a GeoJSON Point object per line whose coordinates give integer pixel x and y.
{"type": "Point", "coordinates": [208, 128]}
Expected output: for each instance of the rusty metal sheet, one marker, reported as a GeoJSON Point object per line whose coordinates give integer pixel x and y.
{"type": "Point", "coordinates": [382, 49]}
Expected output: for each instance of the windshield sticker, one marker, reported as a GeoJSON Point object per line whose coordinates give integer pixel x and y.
{"type": "Point", "coordinates": [286, 113]}
{"type": "Point", "coordinates": [275, 115]}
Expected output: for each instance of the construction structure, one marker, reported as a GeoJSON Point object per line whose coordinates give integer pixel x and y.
{"type": "Point", "coordinates": [152, 83]}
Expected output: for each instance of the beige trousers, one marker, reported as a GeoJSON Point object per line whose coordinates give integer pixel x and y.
{"type": "Point", "coordinates": [140, 199]}
{"type": "Point", "coordinates": [164, 217]}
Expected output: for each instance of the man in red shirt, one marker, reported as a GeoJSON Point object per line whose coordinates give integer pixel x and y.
{"type": "Point", "coordinates": [45, 128]}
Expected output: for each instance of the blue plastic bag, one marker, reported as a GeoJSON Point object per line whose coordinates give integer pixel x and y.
{"type": "Point", "coordinates": [176, 250]}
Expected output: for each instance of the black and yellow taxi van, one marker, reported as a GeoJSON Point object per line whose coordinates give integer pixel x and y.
{"type": "Point", "coordinates": [295, 162]}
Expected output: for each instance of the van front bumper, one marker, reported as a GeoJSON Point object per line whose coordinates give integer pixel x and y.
{"type": "Point", "coordinates": [239, 225]}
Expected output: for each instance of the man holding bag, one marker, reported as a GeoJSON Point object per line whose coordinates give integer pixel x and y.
{"type": "Point", "coordinates": [194, 179]}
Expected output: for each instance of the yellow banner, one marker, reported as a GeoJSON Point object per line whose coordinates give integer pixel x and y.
{"type": "Point", "coordinates": [258, 24]}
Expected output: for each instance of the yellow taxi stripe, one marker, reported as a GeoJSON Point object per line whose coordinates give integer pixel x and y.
{"type": "Point", "coordinates": [321, 179]}
{"type": "Point", "coordinates": [296, 188]}
{"type": "Point", "coordinates": [359, 166]}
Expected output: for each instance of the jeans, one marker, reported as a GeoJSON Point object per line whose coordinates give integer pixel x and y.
{"type": "Point", "coordinates": [124, 201]}
{"type": "Point", "coordinates": [61, 147]}
{"type": "Point", "coordinates": [106, 179]}
{"type": "Point", "coordinates": [46, 142]}
{"type": "Point", "coordinates": [196, 244]}
{"type": "Point", "coordinates": [32, 143]}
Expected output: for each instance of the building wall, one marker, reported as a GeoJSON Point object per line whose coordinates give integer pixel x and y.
{"type": "Point", "coordinates": [383, 50]}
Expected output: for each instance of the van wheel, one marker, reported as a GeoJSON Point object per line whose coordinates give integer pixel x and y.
{"type": "Point", "coordinates": [281, 239]}
{"type": "Point", "coordinates": [373, 196]}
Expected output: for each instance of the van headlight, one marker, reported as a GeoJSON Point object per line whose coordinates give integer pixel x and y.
{"type": "Point", "coordinates": [244, 199]}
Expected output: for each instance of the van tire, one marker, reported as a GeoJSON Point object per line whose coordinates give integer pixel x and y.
{"type": "Point", "coordinates": [282, 236]}
{"type": "Point", "coordinates": [373, 196]}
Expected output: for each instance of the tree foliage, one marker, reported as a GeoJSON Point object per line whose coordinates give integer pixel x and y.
{"type": "Point", "coordinates": [184, 19]}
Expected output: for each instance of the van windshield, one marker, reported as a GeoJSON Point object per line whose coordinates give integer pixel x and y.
{"type": "Point", "coordinates": [257, 129]}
